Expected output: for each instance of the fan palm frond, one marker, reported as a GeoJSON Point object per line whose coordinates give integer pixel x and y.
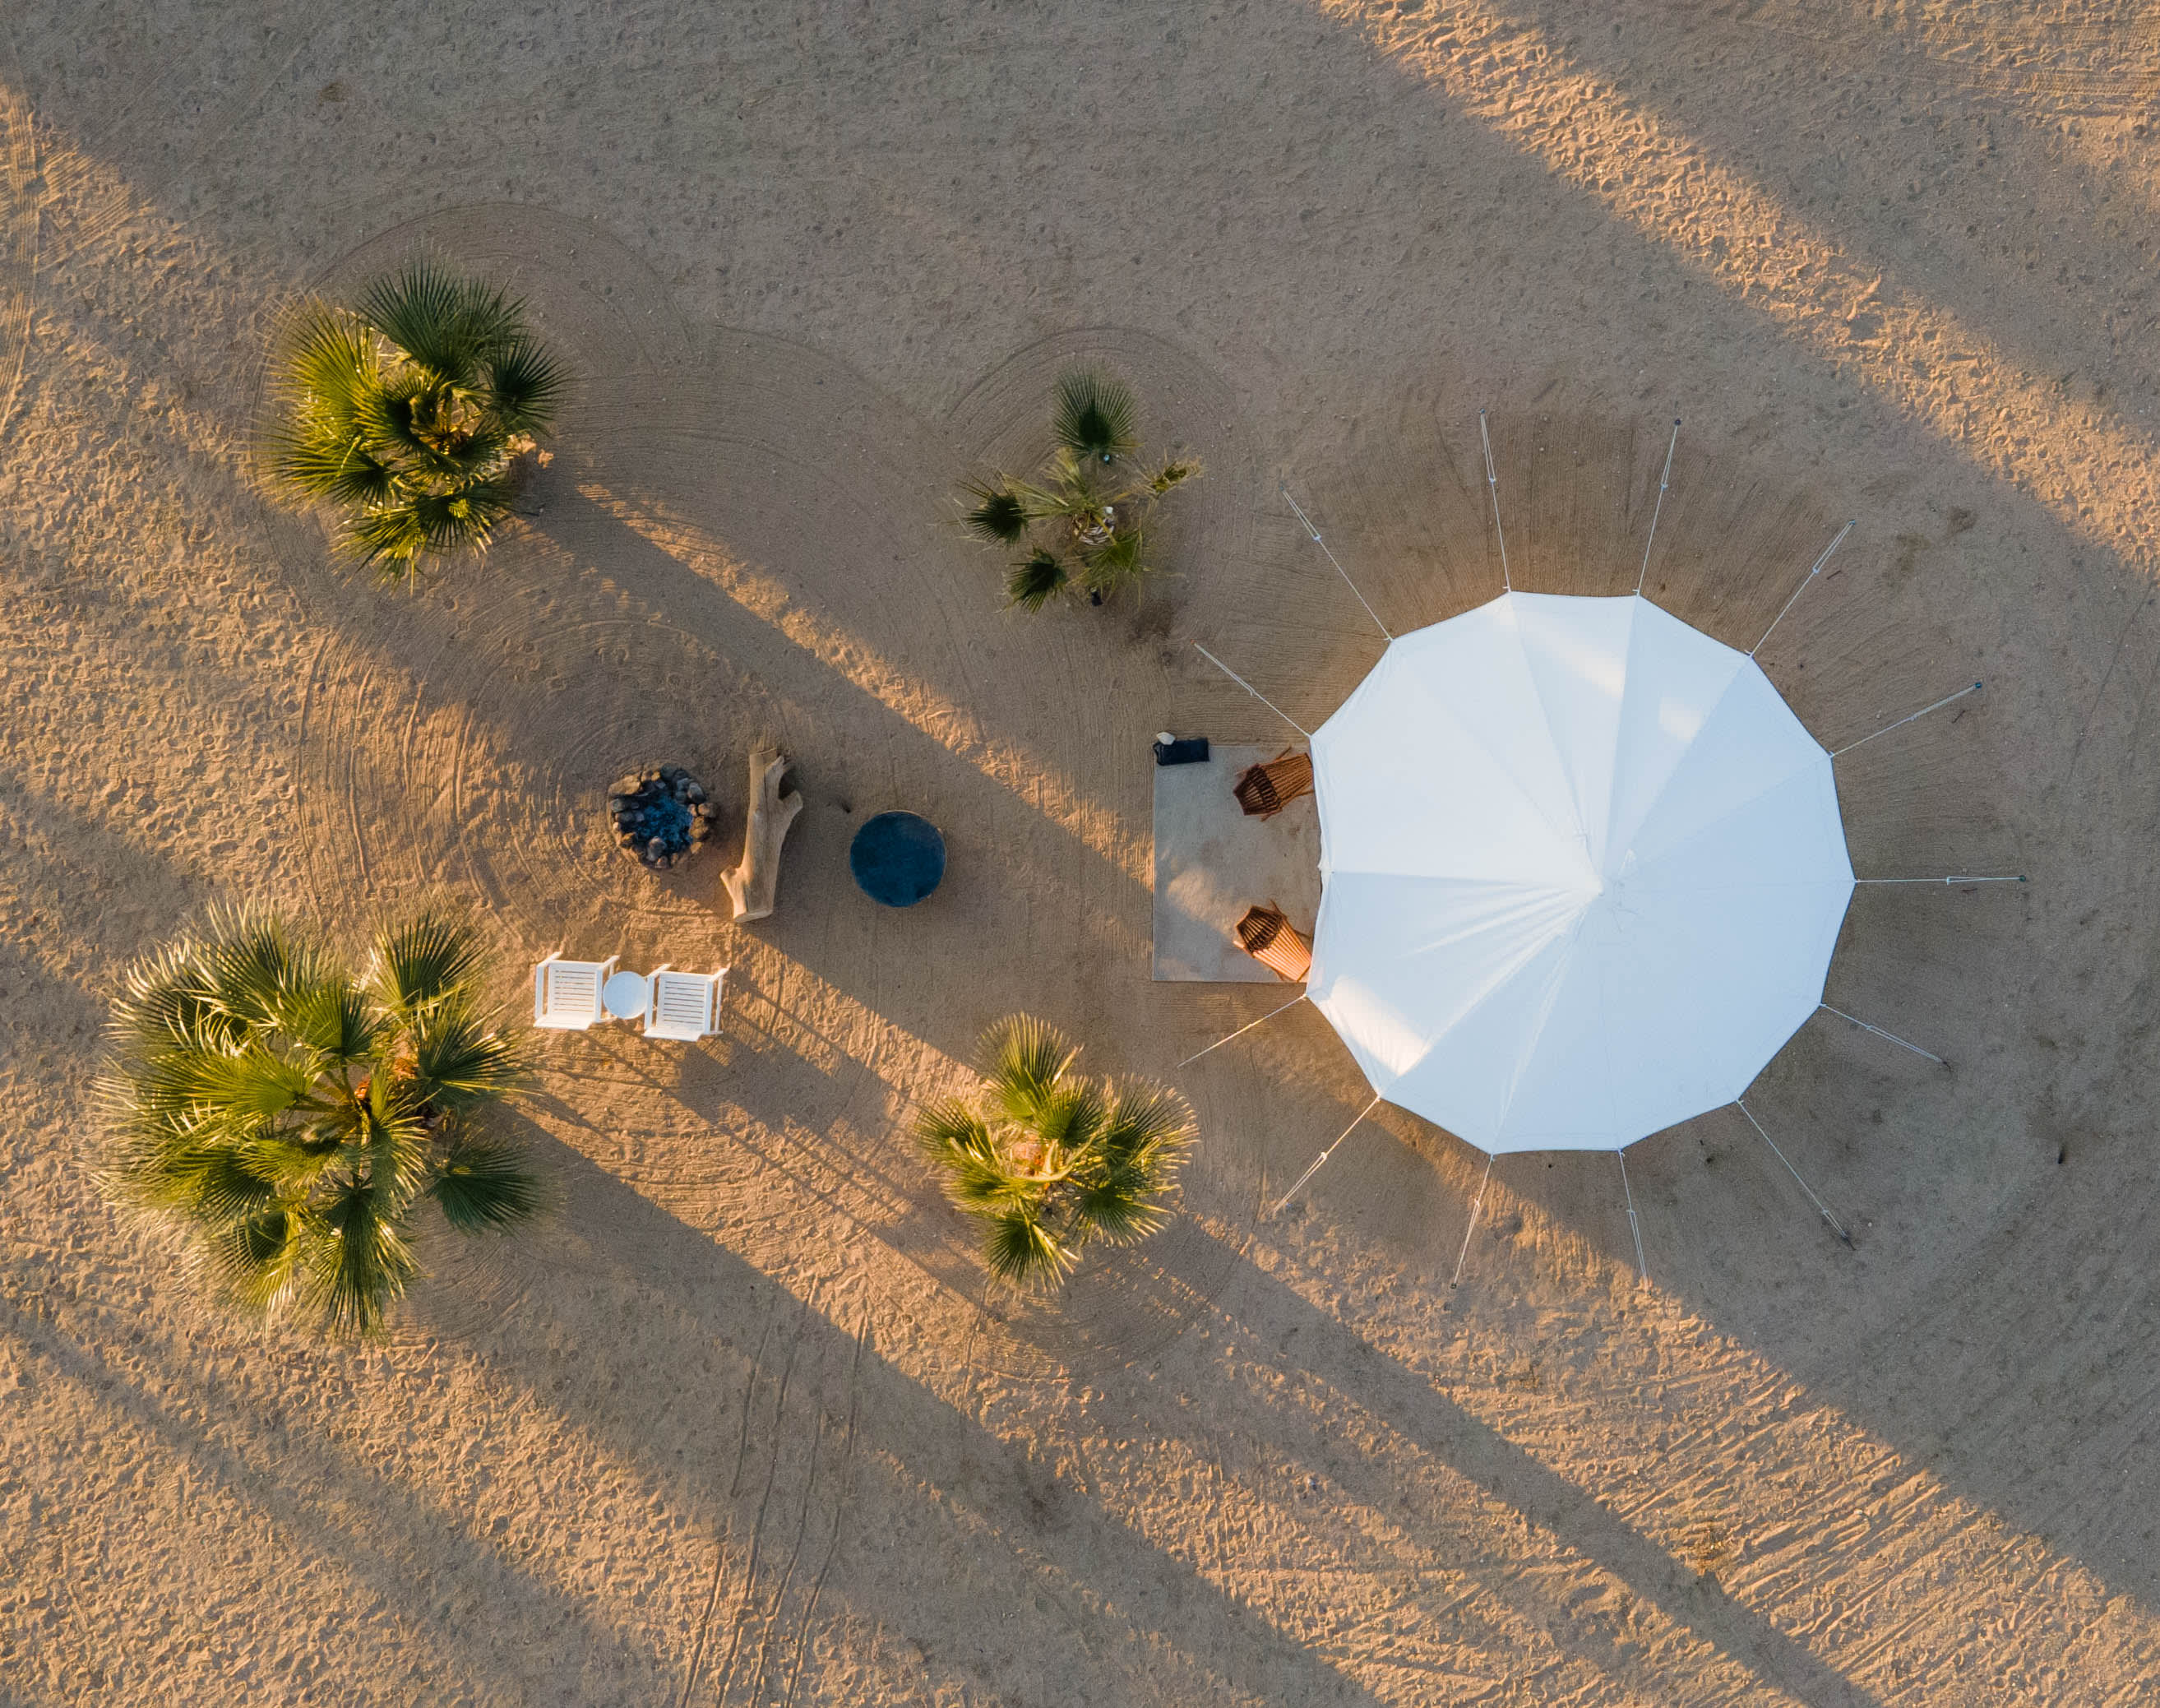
{"type": "Point", "coordinates": [1068, 1121]}
{"type": "Point", "coordinates": [166, 997]}
{"type": "Point", "coordinates": [949, 1128]}
{"type": "Point", "coordinates": [458, 1060]}
{"type": "Point", "coordinates": [251, 964]}
{"type": "Point", "coordinates": [331, 364]}
{"type": "Point", "coordinates": [1095, 416]}
{"type": "Point", "coordinates": [323, 463]}
{"type": "Point", "coordinates": [235, 1095]}
{"type": "Point", "coordinates": [1020, 1249]}
{"type": "Point", "coordinates": [331, 1019]}
{"type": "Point", "coordinates": [390, 536]}
{"type": "Point", "coordinates": [1145, 1137]}
{"type": "Point", "coordinates": [1023, 1058]}
{"type": "Point", "coordinates": [395, 535]}
{"type": "Point", "coordinates": [424, 960]}
{"type": "Point", "coordinates": [256, 1260]}
{"type": "Point", "coordinates": [525, 384]}
{"type": "Point", "coordinates": [465, 518]}
{"type": "Point", "coordinates": [1147, 1125]}
{"type": "Point", "coordinates": [485, 1186]}
{"type": "Point", "coordinates": [998, 514]}
{"type": "Point", "coordinates": [358, 1275]}
{"type": "Point", "coordinates": [210, 1182]}
{"type": "Point", "coordinates": [1036, 580]}
{"type": "Point", "coordinates": [441, 322]}
{"type": "Point", "coordinates": [288, 1161]}
{"type": "Point", "coordinates": [1173, 472]}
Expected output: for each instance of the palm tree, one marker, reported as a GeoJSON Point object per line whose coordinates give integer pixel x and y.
{"type": "Point", "coordinates": [1049, 1160]}
{"type": "Point", "coordinates": [293, 1118]}
{"type": "Point", "coordinates": [1083, 520]}
{"type": "Point", "coordinates": [409, 412]}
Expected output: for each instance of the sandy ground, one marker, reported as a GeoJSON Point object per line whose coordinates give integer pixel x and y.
{"type": "Point", "coordinates": [740, 1426]}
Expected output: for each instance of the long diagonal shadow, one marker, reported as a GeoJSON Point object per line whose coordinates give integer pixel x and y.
{"type": "Point", "coordinates": [307, 1507]}
{"type": "Point", "coordinates": [987, 1483]}
{"type": "Point", "coordinates": [1407, 1403]}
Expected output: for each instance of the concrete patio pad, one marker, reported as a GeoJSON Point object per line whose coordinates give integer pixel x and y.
{"type": "Point", "coordinates": [1211, 863]}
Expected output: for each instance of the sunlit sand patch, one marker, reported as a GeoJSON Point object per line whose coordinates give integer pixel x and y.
{"type": "Point", "coordinates": [2082, 461]}
{"type": "Point", "coordinates": [2107, 63]}
{"type": "Point", "coordinates": [1041, 785]}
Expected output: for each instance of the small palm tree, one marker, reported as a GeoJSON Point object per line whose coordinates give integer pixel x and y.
{"type": "Point", "coordinates": [1049, 1160]}
{"type": "Point", "coordinates": [1083, 521]}
{"type": "Point", "coordinates": [409, 412]}
{"type": "Point", "coordinates": [293, 1118]}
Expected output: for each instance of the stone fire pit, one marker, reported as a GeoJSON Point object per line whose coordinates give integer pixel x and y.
{"type": "Point", "coordinates": [660, 815]}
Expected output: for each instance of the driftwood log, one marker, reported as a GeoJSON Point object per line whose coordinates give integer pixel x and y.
{"type": "Point", "coordinates": [750, 885]}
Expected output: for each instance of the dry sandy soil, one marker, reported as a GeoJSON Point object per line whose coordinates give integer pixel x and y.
{"type": "Point", "coordinates": [740, 1425]}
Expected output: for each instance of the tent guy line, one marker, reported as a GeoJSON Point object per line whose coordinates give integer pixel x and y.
{"type": "Point", "coordinates": [1806, 582]}
{"type": "Point", "coordinates": [1892, 1037]}
{"type": "Point", "coordinates": [1493, 482]}
{"type": "Point", "coordinates": [1836, 1226]}
{"type": "Point", "coordinates": [1954, 878]}
{"type": "Point", "coordinates": [1253, 690]}
{"type": "Point", "coordinates": [1318, 1161]}
{"type": "Point", "coordinates": [1242, 1030]}
{"type": "Point", "coordinates": [1476, 1205]}
{"type": "Point", "coordinates": [1665, 480]}
{"type": "Point", "coordinates": [1946, 699]}
{"type": "Point", "coordinates": [1284, 489]}
{"type": "Point", "coordinates": [1634, 1227]}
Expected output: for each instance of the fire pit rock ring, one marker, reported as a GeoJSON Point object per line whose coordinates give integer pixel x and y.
{"type": "Point", "coordinates": [660, 815]}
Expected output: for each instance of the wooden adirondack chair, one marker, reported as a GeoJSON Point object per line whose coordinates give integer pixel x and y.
{"type": "Point", "coordinates": [1266, 934]}
{"type": "Point", "coordinates": [1265, 790]}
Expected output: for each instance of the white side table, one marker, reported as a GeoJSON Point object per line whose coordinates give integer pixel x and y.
{"type": "Point", "coordinates": [624, 996]}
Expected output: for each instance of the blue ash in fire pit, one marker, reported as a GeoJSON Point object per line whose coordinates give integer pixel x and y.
{"type": "Point", "coordinates": [660, 815]}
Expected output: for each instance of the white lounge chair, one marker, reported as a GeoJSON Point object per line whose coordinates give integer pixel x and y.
{"type": "Point", "coordinates": [684, 1005]}
{"type": "Point", "coordinates": [566, 995]}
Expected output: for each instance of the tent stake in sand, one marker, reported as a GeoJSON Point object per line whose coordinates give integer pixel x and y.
{"type": "Point", "coordinates": [1492, 481]}
{"type": "Point", "coordinates": [1891, 1036]}
{"type": "Point", "coordinates": [1836, 1227]}
{"type": "Point", "coordinates": [1253, 690]}
{"type": "Point", "coordinates": [1332, 558]}
{"type": "Point", "coordinates": [1298, 1184]}
{"type": "Point", "coordinates": [1946, 700]}
{"type": "Point", "coordinates": [1476, 1204]}
{"type": "Point", "coordinates": [1665, 480]}
{"type": "Point", "coordinates": [1635, 1227]}
{"type": "Point", "coordinates": [1242, 1030]}
{"type": "Point", "coordinates": [1804, 584]}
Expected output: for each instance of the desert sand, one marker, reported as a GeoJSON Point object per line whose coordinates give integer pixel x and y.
{"type": "Point", "coordinates": [742, 1424]}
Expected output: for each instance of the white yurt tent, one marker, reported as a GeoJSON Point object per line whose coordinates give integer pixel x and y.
{"type": "Point", "coordinates": [1582, 873]}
